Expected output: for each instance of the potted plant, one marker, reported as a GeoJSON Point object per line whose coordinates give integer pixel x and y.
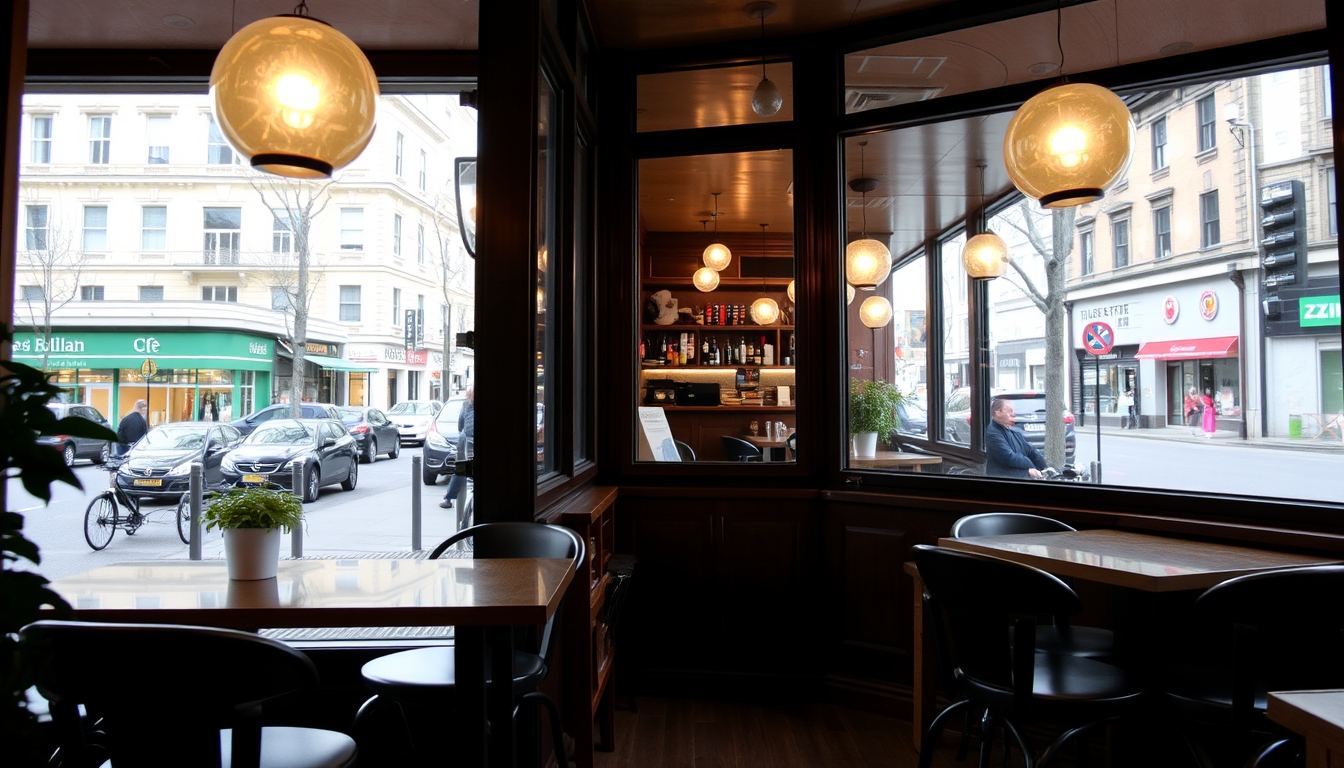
{"type": "Point", "coordinates": [252, 520]}
{"type": "Point", "coordinates": [872, 413]}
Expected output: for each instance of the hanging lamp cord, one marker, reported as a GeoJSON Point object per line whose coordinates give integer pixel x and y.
{"type": "Point", "coordinates": [863, 193]}
{"type": "Point", "coordinates": [301, 9]}
{"type": "Point", "coordinates": [763, 77]}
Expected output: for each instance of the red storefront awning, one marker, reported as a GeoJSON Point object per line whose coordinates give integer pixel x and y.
{"type": "Point", "coordinates": [1189, 349]}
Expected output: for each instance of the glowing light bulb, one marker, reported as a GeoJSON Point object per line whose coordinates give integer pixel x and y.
{"type": "Point", "coordinates": [297, 96]}
{"type": "Point", "coordinates": [875, 311]}
{"type": "Point", "coordinates": [705, 279]}
{"type": "Point", "coordinates": [1068, 144]}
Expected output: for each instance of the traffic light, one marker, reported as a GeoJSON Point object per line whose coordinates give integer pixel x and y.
{"type": "Point", "coordinates": [1283, 226]}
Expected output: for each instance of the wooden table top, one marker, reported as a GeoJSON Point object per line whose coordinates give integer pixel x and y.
{"type": "Point", "coordinates": [1313, 714]}
{"type": "Point", "coordinates": [1136, 560]}
{"type": "Point", "coordinates": [894, 459]}
{"type": "Point", "coordinates": [762, 441]}
{"type": "Point", "coordinates": [323, 593]}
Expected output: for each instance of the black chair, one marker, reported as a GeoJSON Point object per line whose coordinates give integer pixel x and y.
{"type": "Point", "coordinates": [1274, 631]}
{"type": "Point", "coordinates": [792, 443]}
{"type": "Point", "coordinates": [422, 681]}
{"type": "Point", "coordinates": [161, 694]}
{"type": "Point", "coordinates": [983, 611]}
{"type": "Point", "coordinates": [739, 449]}
{"type": "Point", "coordinates": [1061, 637]}
{"type": "Point", "coordinates": [684, 451]}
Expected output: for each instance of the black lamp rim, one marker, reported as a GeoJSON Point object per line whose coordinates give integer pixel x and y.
{"type": "Point", "coordinates": [296, 161]}
{"type": "Point", "coordinates": [1095, 193]}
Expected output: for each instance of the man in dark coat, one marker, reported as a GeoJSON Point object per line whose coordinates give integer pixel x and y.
{"type": "Point", "coordinates": [1007, 452]}
{"type": "Point", "coordinates": [133, 426]}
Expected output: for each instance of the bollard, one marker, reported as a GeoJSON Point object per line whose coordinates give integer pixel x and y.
{"type": "Point", "coordinates": [296, 535]}
{"type": "Point", "coordinates": [195, 483]}
{"type": "Point", "coordinates": [415, 503]}
{"type": "Point", "coordinates": [1096, 472]}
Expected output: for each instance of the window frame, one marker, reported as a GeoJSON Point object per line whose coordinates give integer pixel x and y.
{"type": "Point", "coordinates": [424, 170]}
{"type": "Point", "coordinates": [396, 234]}
{"type": "Point", "coordinates": [397, 319]}
{"type": "Point", "coordinates": [86, 230]}
{"type": "Point", "coordinates": [47, 143]}
{"type": "Point", "coordinates": [230, 293]}
{"type": "Point", "coordinates": [218, 149]}
{"type": "Point", "coordinates": [399, 157]}
{"type": "Point", "coordinates": [350, 301]}
{"type": "Point", "coordinates": [282, 233]}
{"type": "Point", "coordinates": [30, 231]}
{"type": "Point", "coordinates": [348, 232]}
{"type": "Point", "coordinates": [1159, 153]}
{"type": "Point", "coordinates": [220, 252]}
{"type": "Point", "coordinates": [1087, 251]}
{"type": "Point", "coordinates": [1120, 251]}
{"type": "Point", "coordinates": [150, 293]}
{"type": "Point", "coordinates": [146, 230]}
{"type": "Point", "coordinates": [100, 147]}
{"type": "Point", "coordinates": [150, 130]}
{"type": "Point", "coordinates": [1207, 134]}
{"type": "Point", "coordinates": [1210, 229]}
{"type": "Point", "coordinates": [91, 293]}
{"type": "Point", "coordinates": [420, 244]}
{"type": "Point", "coordinates": [1162, 230]}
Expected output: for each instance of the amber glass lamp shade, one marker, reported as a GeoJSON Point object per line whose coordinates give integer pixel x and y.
{"type": "Point", "coordinates": [705, 279]}
{"type": "Point", "coordinates": [867, 263]}
{"type": "Point", "coordinates": [1068, 144]}
{"type": "Point", "coordinates": [765, 311]}
{"type": "Point", "coordinates": [875, 311]}
{"type": "Point", "coordinates": [789, 290]}
{"type": "Point", "coordinates": [849, 294]}
{"type": "Point", "coordinates": [985, 256]}
{"type": "Point", "coordinates": [295, 96]}
{"type": "Point", "coordinates": [718, 257]}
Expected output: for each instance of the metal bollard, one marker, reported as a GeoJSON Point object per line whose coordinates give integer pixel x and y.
{"type": "Point", "coordinates": [1096, 472]}
{"type": "Point", "coordinates": [195, 483]}
{"type": "Point", "coordinates": [415, 503]}
{"type": "Point", "coordinates": [296, 535]}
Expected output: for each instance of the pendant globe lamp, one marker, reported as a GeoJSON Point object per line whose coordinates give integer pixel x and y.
{"type": "Point", "coordinates": [294, 95]}
{"type": "Point", "coordinates": [766, 100]}
{"type": "Point", "coordinates": [705, 279]}
{"type": "Point", "coordinates": [717, 256]}
{"type": "Point", "coordinates": [875, 311]}
{"type": "Point", "coordinates": [849, 294]}
{"type": "Point", "coordinates": [867, 261]}
{"type": "Point", "coordinates": [986, 255]}
{"type": "Point", "coordinates": [789, 291]}
{"type": "Point", "coordinates": [765, 310]}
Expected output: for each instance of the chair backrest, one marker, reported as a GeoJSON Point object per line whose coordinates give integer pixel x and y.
{"type": "Point", "coordinates": [792, 443]}
{"type": "Point", "coordinates": [684, 451]}
{"type": "Point", "coordinates": [163, 691]}
{"type": "Point", "coordinates": [508, 540]}
{"type": "Point", "coordinates": [1004, 524]}
{"type": "Point", "coordinates": [739, 449]}
{"type": "Point", "coordinates": [983, 605]}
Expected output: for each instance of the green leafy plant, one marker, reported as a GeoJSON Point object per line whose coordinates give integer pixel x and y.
{"type": "Point", "coordinates": [24, 416]}
{"type": "Point", "coordinates": [253, 507]}
{"type": "Point", "coordinates": [872, 407]}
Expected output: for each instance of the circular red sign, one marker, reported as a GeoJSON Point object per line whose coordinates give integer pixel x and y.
{"type": "Point", "coordinates": [1098, 338]}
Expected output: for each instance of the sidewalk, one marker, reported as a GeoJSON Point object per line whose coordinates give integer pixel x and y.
{"type": "Point", "coordinates": [1181, 434]}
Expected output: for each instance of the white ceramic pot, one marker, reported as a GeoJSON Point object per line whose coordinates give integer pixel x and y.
{"type": "Point", "coordinates": [252, 553]}
{"type": "Point", "coordinates": [865, 445]}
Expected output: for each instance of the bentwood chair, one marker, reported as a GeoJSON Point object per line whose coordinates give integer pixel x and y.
{"type": "Point", "coordinates": [684, 451]}
{"type": "Point", "coordinates": [169, 695]}
{"type": "Point", "coordinates": [983, 611]}
{"type": "Point", "coordinates": [739, 449]}
{"type": "Point", "coordinates": [422, 681]}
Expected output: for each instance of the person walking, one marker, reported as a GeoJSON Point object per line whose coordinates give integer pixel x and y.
{"type": "Point", "coordinates": [1210, 418]}
{"type": "Point", "coordinates": [1125, 405]}
{"type": "Point", "coordinates": [466, 432]}
{"type": "Point", "coordinates": [1191, 408]}
{"type": "Point", "coordinates": [133, 426]}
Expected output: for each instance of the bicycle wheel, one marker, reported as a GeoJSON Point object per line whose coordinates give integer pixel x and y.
{"type": "Point", "coordinates": [184, 520]}
{"type": "Point", "coordinates": [100, 520]}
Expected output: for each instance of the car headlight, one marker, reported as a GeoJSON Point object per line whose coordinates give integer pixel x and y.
{"type": "Point", "coordinates": [436, 440]}
{"type": "Point", "coordinates": [124, 469]}
{"type": "Point", "coordinates": [181, 469]}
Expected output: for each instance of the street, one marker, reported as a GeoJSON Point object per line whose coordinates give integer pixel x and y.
{"type": "Point", "coordinates": [375, 517]}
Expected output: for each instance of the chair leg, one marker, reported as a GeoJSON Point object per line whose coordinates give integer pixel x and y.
{"type": "Point", "coordinates": [1266, 752]}
{"type": "Point", "coordinates": [1055, 746]}
{"type": "Point", "coordinates": [1011, 729]}
{"type": "Point", "coordinates": [557, 729]}
{"type": "Point", "coordinates": [964, 745]}
{"type": "Point", "coordinates": [988, 723]}
{"type": "Point", "coordinates": [929, 743]}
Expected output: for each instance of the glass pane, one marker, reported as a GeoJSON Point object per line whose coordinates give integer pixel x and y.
{"type": "Point", "coordinates": [910, 365]}
{"type": "Point", "coordinates": [223, 218]}
{"type": "Point", "coordinates": [958, 383]}
{"type": "Point", "coordinates": [721, 95]}
{"type": "Point", "coordinates": [548, 166]}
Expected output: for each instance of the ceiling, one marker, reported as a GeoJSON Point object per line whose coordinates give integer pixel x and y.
{"type": "Point", "coordinates": [929, 176]}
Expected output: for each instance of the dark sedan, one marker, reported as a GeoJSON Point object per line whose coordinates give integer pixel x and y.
{"type": "Point", "coordinates": [322, 448]}
{"type": "Point", "coordinates": [71, 446]}
{"type": "Point", "coordinates": [159, 465]}
{"type": "Point", "coordinates": [282, 411]}
{"type": "Point", "coordinates": [373, 432]}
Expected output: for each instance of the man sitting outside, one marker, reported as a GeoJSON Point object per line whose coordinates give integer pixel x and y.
{"type": "Point", "coordinates": [1007, 452]}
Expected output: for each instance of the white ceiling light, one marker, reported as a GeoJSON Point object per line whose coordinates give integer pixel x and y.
{"type": "Point", "coordinates": [875, 311]}
{"type": "Point", "coordinates": [767, 99]}
{"type": "Point", "coordinates": [765, 311]}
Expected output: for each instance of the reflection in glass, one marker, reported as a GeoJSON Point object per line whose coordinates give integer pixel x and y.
{"type": "Point", "coordinates": [548, 163]}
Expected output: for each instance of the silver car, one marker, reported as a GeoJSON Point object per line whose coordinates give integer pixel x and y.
{"type": "Point", "coordinates": [413, 418]}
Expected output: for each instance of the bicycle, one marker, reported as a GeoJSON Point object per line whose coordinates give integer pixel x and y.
{"type": "Point", "coordinates": [113, 508]}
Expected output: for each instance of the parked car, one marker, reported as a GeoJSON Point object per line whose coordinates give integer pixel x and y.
{"type": "Point", "coordinates": [322, 447]}
{"type": "Point", "coordinates": [281, 411]}
{"type": "Point", "coordinates": [373, 432]}
{"type": "Point", "coordinates": [914, 419]}
{"type": "Point", "coordinates": [1029, 408]}
{"type": "Point", "coordinates": [440, 452]}
{"type": "Point", "coordinates": [159, 465]}
{"type": "Point", "coordinates": [413, 418]}
{"type": "Point", "coordinates": [72, 447]}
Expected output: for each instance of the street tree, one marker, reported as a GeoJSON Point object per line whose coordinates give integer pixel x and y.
{"type": "Point", "coordinates": [295, 204]}
{"type": "Point", "coordinates": [55, 265]}
{"type": "Point", "coordinates": [455, 292]}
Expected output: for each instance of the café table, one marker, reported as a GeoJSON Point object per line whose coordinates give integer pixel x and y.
{"type": "Point", "coordinates": [1317, 716]}
{"type": "Point", "coordinates": [767, 444]}
{"type": "Point", "coordinates": [1143, 562]}
{"type": "Point", "coordinates": [888, 459]}
{"type": "Point", "coordinates": [482, 599]}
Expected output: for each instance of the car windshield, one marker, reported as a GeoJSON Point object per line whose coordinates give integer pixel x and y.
{"type": "Point", "coordinates": [290, 433]}
{"type": "Point", "coordinates": [448, 416]}
{"type": "Point", "coordinates": [170, 438]}
{"type": "Point", "coordinates": [351, 415]}
{"type": "Point", "coordinates": [411, 409]}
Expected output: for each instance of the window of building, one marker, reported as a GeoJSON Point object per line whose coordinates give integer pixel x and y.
{"type": "Point", "coordinates": [1162, 231]}
{"type": "Point", "coordinates": [1208, 219]}
{"type": "Point", "coordinates": [33, 293]}
{"type": "Point", "coordinates": [352, 229]}
{"type": "Point", "coordinates": [424, 170]}
{"type": "Point", "coordinates": [35, 227]}
{"type": "Point", "coordinates": [1329, 104]}
{"type": "Point", "coordinates": [223, 234]}
{"type": "Point", "coordinates": [91, 293]}
{"type": "Point", "coordinates": [1206, 109]}
{"type": "Point", "coordinates": [396, 307]}
{"type": "Point", "coordinates": [1086, 252]}
{"type": "Point", "coordinates": [281, 299]}
{"type": "Point", "coordinates": [1120, 243]}
{"type": "Point", "coordinates": [350, 307]}
{"type": "Point", "coordinates": [282, 238]}
{"type": "Point", "coordinates": [401, 143]}
{"type": "Point", "coordinates": [154, 228]}
{"type": "Point", "coordinates": [100, 139]}
{"type": "Point", "coordinates": [1159, 143]}
{"type": "Point", "coordinates": [157, 130]}
{"type": "Point", "coordinates": [41, 146]}
{"type": "Point", "coordinates": [151, 293]}
{"type": "Point", "coordinates": [218, 151]}
{"type": "Point", "coordinates": [420, 244]}
{"type": "Point", "coordinates": [219, 293]}
{"type": "Point", "coordinates": [1332, 210]}
{"type": "Point", "coordinates": [95, 228]}
{"type": "Point", "coordinates": [396, 234]}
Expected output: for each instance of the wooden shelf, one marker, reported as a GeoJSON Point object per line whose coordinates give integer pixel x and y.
{"type": "Point", "coordinates": [655, 367]}
{"type": "Point", "coordinates": [716, 408]}
{"type": "Point", "coordinates": [687, 327]}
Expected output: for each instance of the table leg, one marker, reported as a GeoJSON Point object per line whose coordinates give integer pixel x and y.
{"type": "Point", "coordinates": [503, 742]}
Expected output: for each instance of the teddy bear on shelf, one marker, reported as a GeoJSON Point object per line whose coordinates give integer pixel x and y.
{"type": "Point", "coordinates": [661, 308]}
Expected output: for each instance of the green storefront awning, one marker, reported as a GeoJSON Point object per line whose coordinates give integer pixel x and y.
{"type": "Point", "coordinates": [337, 364]}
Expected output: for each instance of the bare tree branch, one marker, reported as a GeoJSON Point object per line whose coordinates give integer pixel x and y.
{"type": "Point", "coordinates": [57, 267]}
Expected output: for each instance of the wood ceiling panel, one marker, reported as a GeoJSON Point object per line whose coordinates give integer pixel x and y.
{"type": "Point", "coordinates": [705, 98]}
{"type": "Point", "coordinates": [675, 194]}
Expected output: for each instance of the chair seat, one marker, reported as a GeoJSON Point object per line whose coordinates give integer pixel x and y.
{"type": "Point", "coordinates": [426, 675]}
{"type": "Point", "coordinates": [1203, 693]}
{"type": "Point", "coordinates": [1068, 688]}
{"type": "Point", "coordinates": [283, 747]}
{"type": "Point", "coordinates": [1087, 642]}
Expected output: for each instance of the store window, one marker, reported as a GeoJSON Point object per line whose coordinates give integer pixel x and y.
{"type": "Point", "coordinates": [223, 234]}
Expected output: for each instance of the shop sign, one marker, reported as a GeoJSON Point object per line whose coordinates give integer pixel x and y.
{"type": "Point", "coordinates": [417, 356]}
{"type": "Point", "coordinates": [1171, 310]}
{"type": "Point", "coordinates": [97, 349]}
{"type": "Point", "coordinates": [1208, 305]}
{"type": "Point", "coordinates": [1318, 311]}
{"type": "Point", "coordinates": [326, 350]}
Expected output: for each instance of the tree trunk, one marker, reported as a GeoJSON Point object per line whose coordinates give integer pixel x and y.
{"type": "Point", "coordinates": [297, 378]}
{"type": "Point", "coordinates": [1056, 383]}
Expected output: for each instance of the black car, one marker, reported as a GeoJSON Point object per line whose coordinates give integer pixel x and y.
{"type": "Point", "coordinates": [72, 447]}
{"type": "Point", "coordinates": [281, 411]}
{"type": "Point", "coordinates": [159, 465]}
{"type": "Point", "coordinates": [321, 447]}
{"type": "Point", "coordinates": [914, 420]}
{"type": "Point", "coordinates": [373, 433]}
{"type": "Point", "coordinates": [440, 454]}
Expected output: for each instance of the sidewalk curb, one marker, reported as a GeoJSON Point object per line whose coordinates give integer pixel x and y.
{"type": "Point", "coordinates": [1181, 435]}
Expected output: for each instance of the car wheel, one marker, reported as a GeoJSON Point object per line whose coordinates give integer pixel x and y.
{"type": "Point", "coordinates": [429, 476]}
{"type": "Point", "coordinates": [312, 484]}
{"type": "Point", "coordinates": [104, 454]}
{"type": "Point", "coordinates": [370, 455]}
{"type": "Point", "coordinates": [396, 449]}
{"type": "Point", "coordinates": [348, 484]}
{"type": "Point", "coordinates": [68, 453]}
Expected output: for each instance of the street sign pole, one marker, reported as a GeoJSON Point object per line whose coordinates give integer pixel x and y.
{"type": "Point", "coordinates": [1098, 339]}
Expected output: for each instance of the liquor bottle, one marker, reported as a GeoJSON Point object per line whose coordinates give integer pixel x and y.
{"type": "Point", "coordinates": [751, 351]}
{"type": "Point", "coordinates": [662, 347]}
{"type": "Point", "coordinates": [641, 347]}
{"type": "Point", "coordinates": [742, 350]}
{"type": "Point", "coordinates": [704, 350]}
{"type": "Point", "coordinates": [681, 350]}
{"type": "Point", "coordinates": [760, 351]}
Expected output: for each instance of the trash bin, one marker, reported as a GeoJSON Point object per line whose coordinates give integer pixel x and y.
{"type": "Point", "coordinates": [1295, 426]}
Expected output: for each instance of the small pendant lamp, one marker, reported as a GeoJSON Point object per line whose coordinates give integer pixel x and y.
{"type": "Point", "coordinates": [705, 279]}
{"type": "Point", "coordinates": [765, 310]}
{"type": "Point", "coordinates": [717, 255]}
{"type": "Point", "coordinates": [766, 100]}
{"type": "Point", "coordinates": [789, 291]}
{"type": "Point", "coordinates": [986, 255]}
{"type": "Point", "coordinates": [294, 95]}
{"type": "Point", "coordinates": [867, 261]}
{"type": "Point", "coordinates": [875, 311]}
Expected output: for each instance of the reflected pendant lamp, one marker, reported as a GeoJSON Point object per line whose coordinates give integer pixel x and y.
{"type": "Point", "coordinates": [1068, 144]}
{"type": "Point", "coordinates": [875, 311]}
{"type": "Point", "coordinates": [764, 311]}
{"type": "Point", "coordinates": [789, 290]}
{"type": "Point", "coordinates": [984, 256]}
{"type": "Point", "coordinates": [717, 256]}
{"type": "Point", "coordinates": [766, 100]}
{"type": "Point", "coordinates": [849, 294]}
{"type": "Point", "coordinates": [867, 261]}
{"type": "Point", "coordinates": [705, 279]}
{"type": "Point", "coordinates": [294, 96]}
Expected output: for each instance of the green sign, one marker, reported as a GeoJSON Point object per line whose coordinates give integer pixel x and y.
{"type": "Point", "coordinates": [1316, 311]}
{"type": "Point", "coordinates": [166, 349]}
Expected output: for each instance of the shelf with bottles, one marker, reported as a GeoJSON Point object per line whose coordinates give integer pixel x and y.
{"type": "Point", "coordinates": [716, 347]}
